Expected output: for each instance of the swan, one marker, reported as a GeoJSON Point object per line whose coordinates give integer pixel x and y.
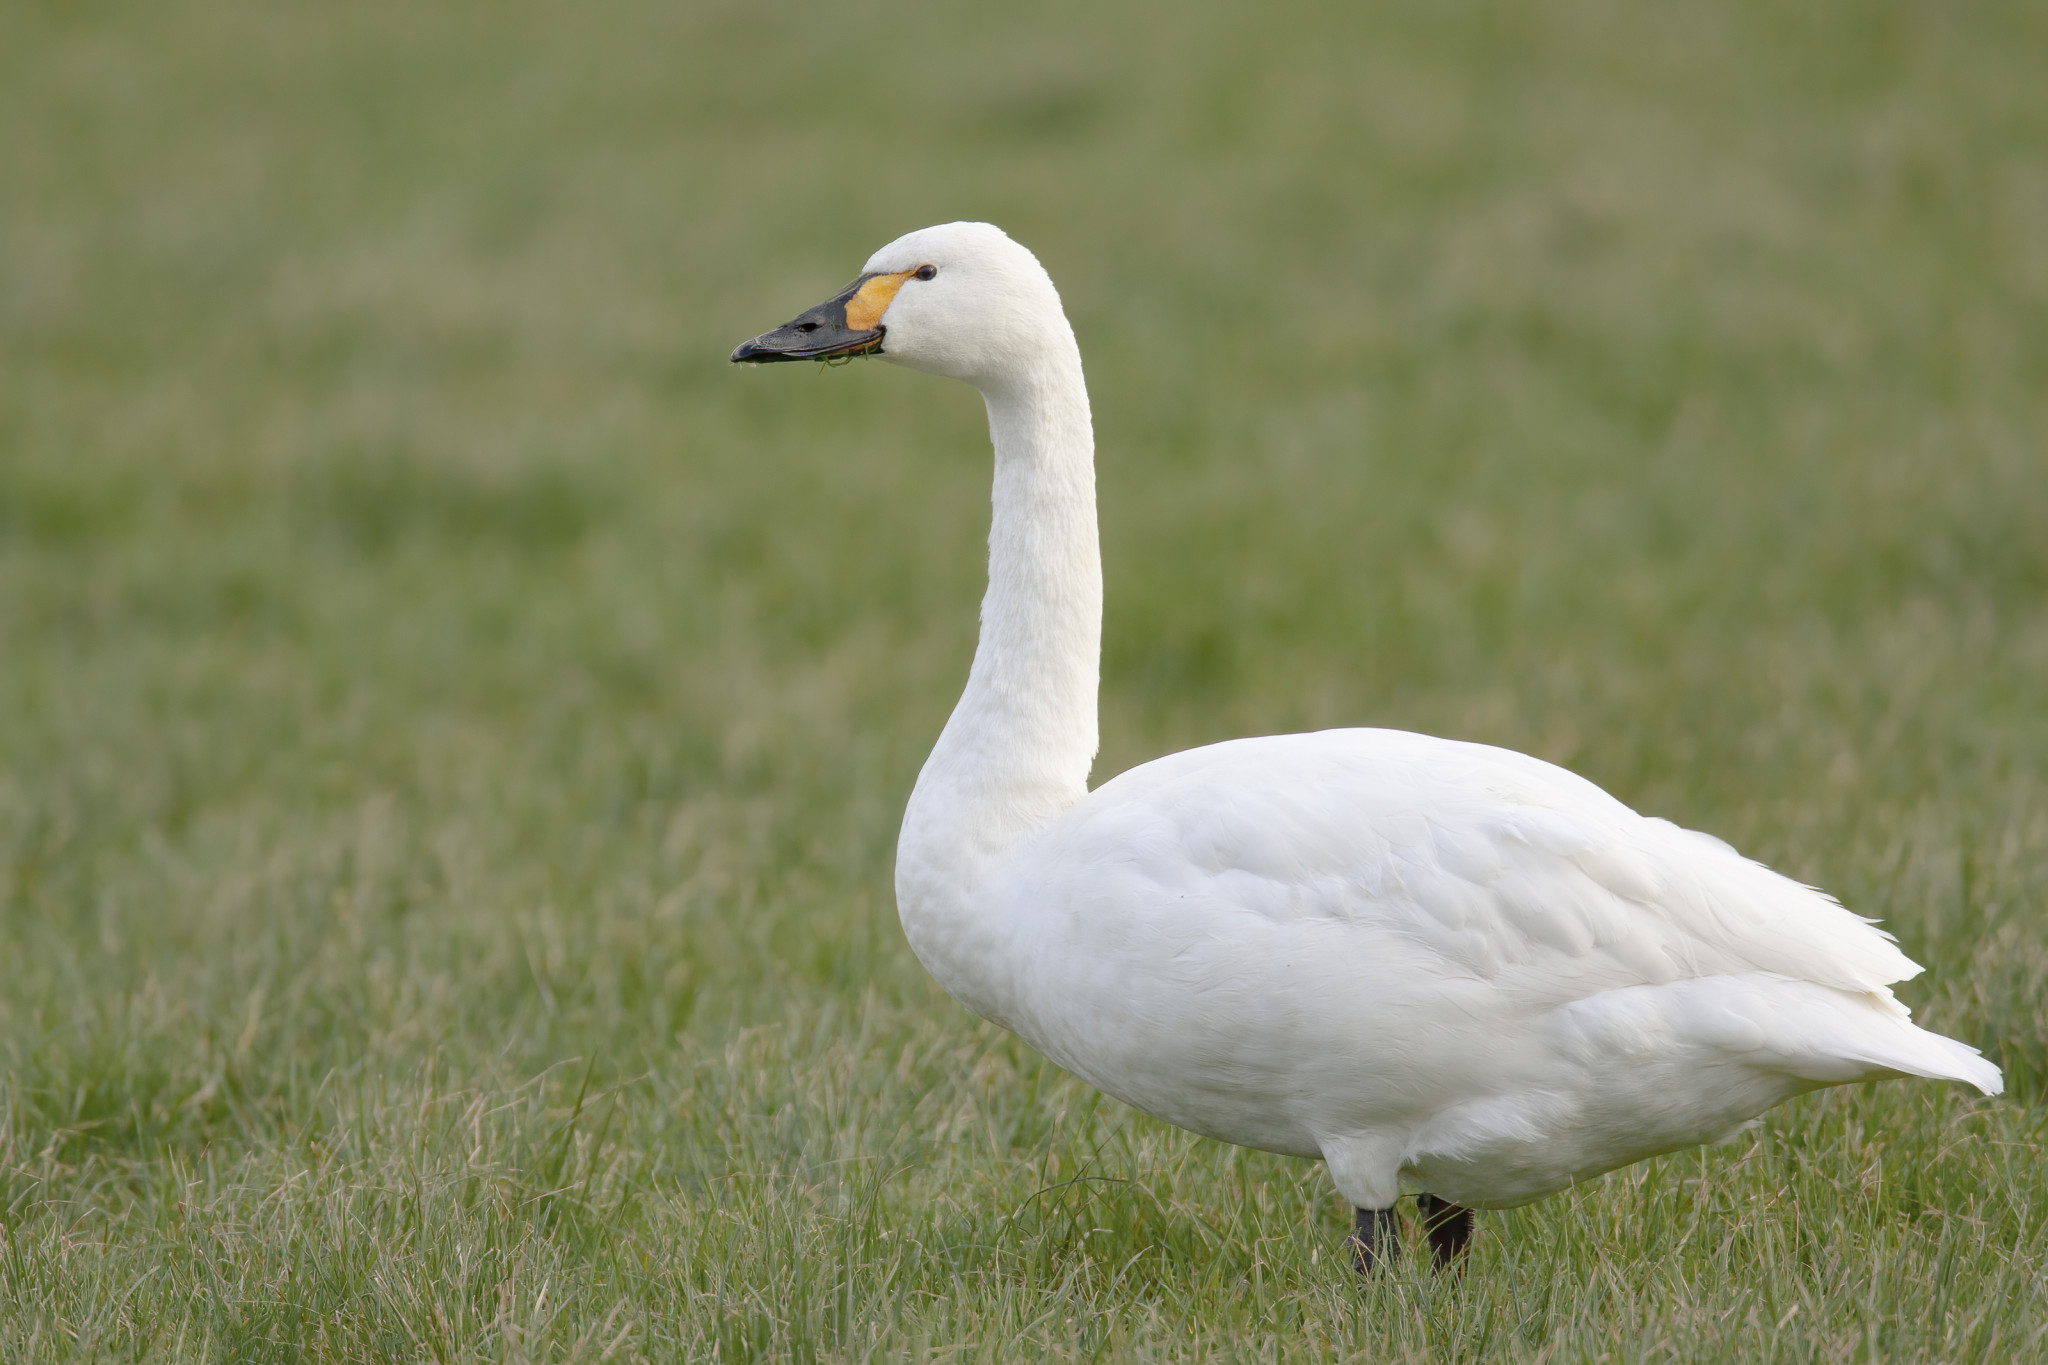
{"type": "Point", "coordinates": [1440, 967]}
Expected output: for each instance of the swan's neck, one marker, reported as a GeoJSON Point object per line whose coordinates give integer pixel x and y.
{"type": "Point", "coordinates": [1018, 747]}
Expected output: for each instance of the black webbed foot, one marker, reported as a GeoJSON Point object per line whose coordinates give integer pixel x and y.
{"type": "Point", "coordinates": [1449, 1229]}
{"type": "Point", "coordinates": [1375, 1240]}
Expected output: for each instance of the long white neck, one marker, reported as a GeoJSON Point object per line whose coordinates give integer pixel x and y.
{"type": "Point", "coordinates": [1018, 747]}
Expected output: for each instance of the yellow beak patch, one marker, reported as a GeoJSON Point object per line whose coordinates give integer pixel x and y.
{"type": "Point", "coordinates": [864, 310]}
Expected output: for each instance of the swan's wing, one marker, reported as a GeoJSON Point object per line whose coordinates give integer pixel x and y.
{"type": "Point", "coordinates": [1480, 862]}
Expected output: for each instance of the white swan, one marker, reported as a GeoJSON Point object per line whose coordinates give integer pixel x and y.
{"type": "Point", "coordinates": [1438, 966]}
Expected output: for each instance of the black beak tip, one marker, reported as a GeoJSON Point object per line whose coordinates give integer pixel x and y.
{"type": "Point", "coordinates": [770, 347]}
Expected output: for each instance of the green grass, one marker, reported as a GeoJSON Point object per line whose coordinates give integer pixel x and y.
{"type": "Point", "coordinates": [453, 727]}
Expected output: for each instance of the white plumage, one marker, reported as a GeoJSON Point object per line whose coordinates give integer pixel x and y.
{"type": "Point", "coordinates": [1438, 966]}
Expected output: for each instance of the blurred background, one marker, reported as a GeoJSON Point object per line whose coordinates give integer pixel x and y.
{"type": "Point", "coordinates": [419, 647]}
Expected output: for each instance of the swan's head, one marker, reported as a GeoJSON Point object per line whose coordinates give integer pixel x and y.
{"type": "Point", "coordinates": [960, 299]}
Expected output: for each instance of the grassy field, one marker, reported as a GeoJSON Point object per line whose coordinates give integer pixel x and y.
{"type": "Point", "coordinates": [453, 727]}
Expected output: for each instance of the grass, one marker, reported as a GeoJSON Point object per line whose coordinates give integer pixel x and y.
{"type": "Point", "coordinates": [452, 728]}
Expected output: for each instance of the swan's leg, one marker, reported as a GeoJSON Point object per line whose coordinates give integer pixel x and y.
{"type": "Point", "coordinates": [1449, 1228]}
{"type": "Point", "coordinates": [1375, 1240]}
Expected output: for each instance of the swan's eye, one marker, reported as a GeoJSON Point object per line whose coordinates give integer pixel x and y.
{"type": "Point", "coordinates": [926, 272]}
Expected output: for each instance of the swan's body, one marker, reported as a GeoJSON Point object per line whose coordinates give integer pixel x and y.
{"type": "Point", "coordinates": [1435, 965]}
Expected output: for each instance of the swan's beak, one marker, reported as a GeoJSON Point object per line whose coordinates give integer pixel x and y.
{"type": "Point", "coordinates": [849, 323]}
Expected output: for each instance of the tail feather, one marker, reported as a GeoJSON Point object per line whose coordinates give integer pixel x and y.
{"type": "Point", "coordinates": [1920, 1053]}
{"type": "Point", "coordinates": [1821, 1034]}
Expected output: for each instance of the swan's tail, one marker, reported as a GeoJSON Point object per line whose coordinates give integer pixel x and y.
{"type": "Point", "coordinates": [1913, 1051]}
{"type": "Point", "coordinates": [1822, 1034]}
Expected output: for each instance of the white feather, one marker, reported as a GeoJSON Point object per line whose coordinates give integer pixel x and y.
{"type": "Point", "coordinates": [1434, 964]}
